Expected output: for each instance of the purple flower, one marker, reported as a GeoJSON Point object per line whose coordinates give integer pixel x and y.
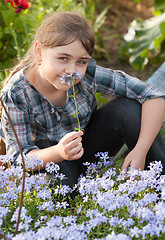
{"type": "Point", "coordinates": [52, 167]}
{"type": "Point", "coordinates": [69, 78]}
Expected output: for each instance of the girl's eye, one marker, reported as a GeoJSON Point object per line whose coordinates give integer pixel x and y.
{"type": "Point", "coordinates": [63, 59]}
{"type": "Point", "coordinates": [82, 62]}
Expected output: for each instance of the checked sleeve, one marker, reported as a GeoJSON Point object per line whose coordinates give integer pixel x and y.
{"type": "Point", "coordinates": [120, 84]}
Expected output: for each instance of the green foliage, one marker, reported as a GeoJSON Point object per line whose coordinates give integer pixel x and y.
{"type": "Point", "coordinates": [160, 5]}
{"type": "Point", "coordinates": [100, 99]}
{"type": "Point", "coordinates": [162, 131]}
{"type": "Point", "coordinates": [145, 39]}
{"type": "Point", "coordinates": [13, 30]}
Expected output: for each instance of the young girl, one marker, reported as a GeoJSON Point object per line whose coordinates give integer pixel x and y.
{"type": "Point", "coordinates": [42, 112]}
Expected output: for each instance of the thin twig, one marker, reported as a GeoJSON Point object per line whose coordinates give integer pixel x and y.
{"type": "Point", "coordinates": [23, 166]}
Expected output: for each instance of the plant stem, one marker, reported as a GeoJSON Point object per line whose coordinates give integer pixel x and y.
{"type": "Point", "coordinates": [23, 166]}
{"type": "Point", "coordinates": [16, 42]}
{"type": "Point", "coordinates": [74, 96]}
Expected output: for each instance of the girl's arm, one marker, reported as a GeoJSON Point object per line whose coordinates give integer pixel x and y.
{"type": "Point", "coordinates": [68, 148]}
{"type": "Point", "coordinates": [151, 121]}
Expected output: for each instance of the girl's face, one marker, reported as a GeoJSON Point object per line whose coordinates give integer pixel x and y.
{"type": "Point", "coordinates": [54, 62]}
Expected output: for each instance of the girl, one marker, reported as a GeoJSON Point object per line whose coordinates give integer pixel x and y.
{"type": "Point", "coordinates": [43, 113]}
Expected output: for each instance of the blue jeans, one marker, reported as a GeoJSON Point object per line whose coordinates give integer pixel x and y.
{"type": "Point", "coordinates": [114, 124]}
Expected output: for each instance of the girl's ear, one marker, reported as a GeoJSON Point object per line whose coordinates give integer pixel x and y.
{"type": "Point", "coordinates": [38, 52]}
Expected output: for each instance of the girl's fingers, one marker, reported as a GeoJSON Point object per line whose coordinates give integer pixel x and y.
{"type": "Point", "coordinates": [72, 136]}
{"type": "Point", "coordinates": [75, 150]}
{"type": "Point", "coordinates": [73, 144]}
{"type": "Point", "coordinates": [78, 155]}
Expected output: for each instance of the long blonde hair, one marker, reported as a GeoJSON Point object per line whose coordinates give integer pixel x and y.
{"type": "Point", "coordinates": [58, 29]}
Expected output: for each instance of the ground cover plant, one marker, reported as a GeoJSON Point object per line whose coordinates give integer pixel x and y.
{"type": "Point", "coordinates": [107, 204]}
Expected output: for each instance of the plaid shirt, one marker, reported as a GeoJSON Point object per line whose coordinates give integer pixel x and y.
{"type": "Point", "coordinates": [35, 118]}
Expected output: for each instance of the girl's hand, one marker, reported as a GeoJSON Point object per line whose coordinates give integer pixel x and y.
{"type": "Point", "coordinates": [70, 146]}
{"type": "Point", "coordinates": [136, 159]}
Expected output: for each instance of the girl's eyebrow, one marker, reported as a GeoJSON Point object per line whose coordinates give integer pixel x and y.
{"type": "Point", "coordinates": [68, 55]}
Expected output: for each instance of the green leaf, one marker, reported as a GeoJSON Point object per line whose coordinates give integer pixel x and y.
{"type": "Point", "coordinates": [162, 28]}
{"type": "Point", "coordinates": [158, 41]}
{"type": "Point", "coordinates": [160, 5]}
{"type": "Point", "coordinates": [76, 114]}
{"type": "Point", "coordinates": [145, 53]}
{"type": "Point", "coordinates": [100, 19]}
{"type": "Point", "coordinates": [100, 100]}
{"type": "Point", "coordinates": [79, 129]}
{"type": "Point", "coordinates": [8, 16]}
{"type": "Point", "coordinates": [141, 39]}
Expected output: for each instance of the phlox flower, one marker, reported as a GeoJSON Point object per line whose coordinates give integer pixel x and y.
{"type": "Point", "coordinates": [36, 181]}
{"type": "Point", "coordinates": [79, 210]}
{"type": "Point", "coordinates": [151, 229]}
{"type": "Point", "coordinates": [110, 172]}
{"type": "Point", "coordinates": [55, 221]}
{"type": "Point", "coordinates": [69, 220]}
{"type": "Point", "coordinates": [86, 163]}
{"type": "Point", "coordinates": [23, 214]}
{"type": "Point", "coordinates": [159, 209]}
{"type": "Point", "coordinates": [52, 167]}
{"type": "Point", "coordinates": [134, 232]}
{"type": "Point", "coordinates": [3, 211]}
{"type": "Point", "coordinates": [46, 205]}
{"type": "Point", "coordinates": [114, 236]}
{"type": "Point", "coordinates": [32, 161]}
{"type": "Point", "coordinates": [96, 218]}
{"type": "Point", "coordinates": [24, 225]}
{"type": "Point", "coordinates": [156, 167]}
{"type": "Point", "coordinates": [44, 194]}
{"type": "Point", "coordinates": [37, 223]}
{"type": "Point", "coordinates": [104, 156]}
{"type": "Point", "coordinates": [61, 205]}
{"type": "Point", "coordinates": [145, 214]}
{"type": "Point", "coordinates": [69, 78]}
{"type": "Point", "coordinates": [64, 190]}
{"type": "Point", "coordinates": [85, 198]}
{"type": "Point", "coordinates": [25, 236]}
{"type": "Point", "coordinates": [60, 176]}
{"type": "Point", "coordinates": [98, 154]}
{"type": "Point", "coordinates": [6, 159]}
{"type": "Point", "coordinates": [127, 223]}
{"type": "Point", "coordinates": [148, 198]}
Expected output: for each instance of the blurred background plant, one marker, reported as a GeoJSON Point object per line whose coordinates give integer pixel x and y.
{"type": "Point", "coordinates": [145, 40]}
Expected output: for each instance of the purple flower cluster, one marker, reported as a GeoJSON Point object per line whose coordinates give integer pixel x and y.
{"type": "Point", "coordinates": [69, 78]}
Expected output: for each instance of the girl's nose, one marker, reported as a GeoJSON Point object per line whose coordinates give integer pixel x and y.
{"type": "Point", "coordinates": [70, 68]}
